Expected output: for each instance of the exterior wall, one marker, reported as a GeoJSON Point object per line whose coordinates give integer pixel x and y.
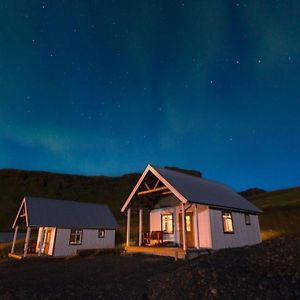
{"type": "Point", "coordinates": [243, 234]}
{"type": "Point", "coordinates": [204, 231]}
{"type": "Point", "coordinates": [90, 240]}
{"type": "Point", "coordinates": [204, 228]}
{"type": "Point", "coordinates": [155, 222]}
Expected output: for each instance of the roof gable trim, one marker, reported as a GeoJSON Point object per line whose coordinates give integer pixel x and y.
{"type": "Point", "coordinates": [23, 204]}
{"type": "Point", "coordinates": [149, 168]}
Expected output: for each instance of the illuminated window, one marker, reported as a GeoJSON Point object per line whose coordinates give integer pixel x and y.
{"type": "Point", "coordinates": [227, 222]}
{"type": "Point", "coordinates": [101, 233]}
{"type": "Point", "coordinates": [75, 237]}
{"type": "Point", "coordinates": [188, 224]}
{"type": "Point", "coordinates": [167, 223]}
{"type": "Point", "coordinates": [247, 219]}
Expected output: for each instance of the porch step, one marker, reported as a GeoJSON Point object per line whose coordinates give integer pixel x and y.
{"type": "Point", "coordinates": [15, 256]}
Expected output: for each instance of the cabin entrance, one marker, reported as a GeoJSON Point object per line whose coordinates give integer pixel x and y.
{"type": "Point", "coordinates": [47, 242]}
{"type": "Point", "coordinates": [189, 229]}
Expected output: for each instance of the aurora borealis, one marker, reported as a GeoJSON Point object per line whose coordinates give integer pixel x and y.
{"type": "Point", "coordinates": [106, 87]}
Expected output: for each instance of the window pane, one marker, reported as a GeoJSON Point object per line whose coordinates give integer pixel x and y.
{"type": "Point", "coordinates": [227, 222]}
{"type": "Point", "coordinates": [188, 223]}
{"type": "Point", "coordinates": [167, 223]}
{"type": "Point", "coordinates": [247, 219]}
{"type": "Point", "coordinates": [75, 236]}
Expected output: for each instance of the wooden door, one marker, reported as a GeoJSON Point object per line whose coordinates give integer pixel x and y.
{"type": "Point", "coordinates": [47, 242]}
{"type": "Point", "coordinates": [189, 225]}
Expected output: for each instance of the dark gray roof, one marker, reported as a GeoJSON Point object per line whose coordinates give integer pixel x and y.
{"type": "Point", "coordinates": [199, 190]}
{"type": "Point", "coordinates": [68, 214]}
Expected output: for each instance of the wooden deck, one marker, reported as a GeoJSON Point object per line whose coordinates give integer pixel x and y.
{"type": "Point", "coordinates": [161, 251]}
{"type": "Point", "coordinates": [177, 253]}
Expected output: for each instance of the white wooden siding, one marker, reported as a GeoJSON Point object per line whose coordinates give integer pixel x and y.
{"type": "Point", "coordinates": [155, 223]}
{"type": "Point", "coordinates": [205, 239]}
{"type": "Point", "coordinates": [243, 234]}
{"type": "Point", "coordinates": [90, 240]}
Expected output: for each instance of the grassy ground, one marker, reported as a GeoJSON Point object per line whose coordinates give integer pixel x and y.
{"type": "Point", "coordinates": [281, 212]}
{"type": "Point", "coordinates": [279, 198]}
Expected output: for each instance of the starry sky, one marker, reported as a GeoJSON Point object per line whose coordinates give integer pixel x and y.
{"type": "Point", "coordinates": [106, 87]}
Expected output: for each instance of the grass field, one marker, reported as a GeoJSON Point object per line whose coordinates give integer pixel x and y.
{"type": "Point", "coordinates": [281, 212]}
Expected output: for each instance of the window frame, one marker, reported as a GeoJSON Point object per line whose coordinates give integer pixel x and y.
{"type": "Point", "coordinates": [161, 219]}
{"type": "Point", "coordinates": [190, 223]}
{"type": "Point", "coordinates": [81, 235]}
{"type": "Point", "coordinates": [230, 218]}
{"type": "Point", "coordinates": [247, 219]}
{"type": "Point", "coordinates": [101, 236]}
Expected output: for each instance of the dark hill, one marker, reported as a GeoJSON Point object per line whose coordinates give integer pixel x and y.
{"type": "Point", "coordinates": [252, 192]}
{"type": "Point", "coordinates": [15, 184]}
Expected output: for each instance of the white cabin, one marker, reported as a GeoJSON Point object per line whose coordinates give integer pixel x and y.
{"type": "Point", "coordinates": [189, 213]}
{"type": "Point", "coordinates": [62, 228]}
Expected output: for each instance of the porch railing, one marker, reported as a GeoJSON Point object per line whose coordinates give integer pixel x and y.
{"type": "Point", "coordinates": [153, 238]}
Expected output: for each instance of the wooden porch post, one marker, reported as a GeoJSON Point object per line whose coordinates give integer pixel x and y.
{"type": "Point", "coordinates": [14, 239]}
{"type": "Point", "coordinates": [197, 226]}
{"type": "Point", "coordinates": [27, 241]}
{"type": "Point", "coordinates": [41, 245]}
{"type": "Point", "coordinates": [128, 227]}
{"type": "Point", "coordinates": [140, 226]}
{"type": "Point", "coordinates": [184, 245]}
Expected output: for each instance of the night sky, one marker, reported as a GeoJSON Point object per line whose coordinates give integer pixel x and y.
{"type": "Point", "coordinates": [106, 87]}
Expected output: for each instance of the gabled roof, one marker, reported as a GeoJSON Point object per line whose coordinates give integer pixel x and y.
{"type": "Point", "coordinates": [188, 188]}
{"type": "Point", "coordinates": [66, 214]}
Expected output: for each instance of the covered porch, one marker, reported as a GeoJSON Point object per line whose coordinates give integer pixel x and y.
{"type": "Point", "coordinates": [37, 238]}
{"type": "Point", "coordinates": [168, 225]}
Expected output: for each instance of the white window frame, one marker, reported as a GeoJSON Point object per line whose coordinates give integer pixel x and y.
{"type": "Point", "coordinates": [76, 233]}
{"type": "Point", "coordinates": [101, 233]}
{"type": "Point", "coordinates": [227, 216]}
{"type": "Point", "coordinates": [172, 222]}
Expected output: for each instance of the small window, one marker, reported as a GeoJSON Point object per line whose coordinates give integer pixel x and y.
{"type": "Point", "coordinates": [188, 224]}
{"type": "Point", "coordinates": [227, 222]}
{"type": "Point", "coordinates": [247, 219]}
{"type": "Point", "coordinates": [75, 237]}
{"type": "Point", "coordinates": [101, 234]}
{"type": "Point", "coordinates": [167, 223]}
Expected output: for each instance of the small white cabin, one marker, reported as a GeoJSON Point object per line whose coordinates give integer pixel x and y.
{"type": "Point", "coordinates": [188, 213]}
{"type": "Point", "coordinates": [61, 228]}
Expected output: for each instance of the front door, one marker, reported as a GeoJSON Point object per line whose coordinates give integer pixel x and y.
{"type": "Point", "coordinates": [47, 241]}
{"type": "Point", "coordinates": [189, 229]}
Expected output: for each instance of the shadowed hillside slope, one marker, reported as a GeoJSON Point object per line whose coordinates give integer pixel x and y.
{"type": "Point", "coordinates": [281, 208]}
{"type": "Point", "coordinates": [15, 184]}
{"type": "Point", "coordinates": [281, 212]}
